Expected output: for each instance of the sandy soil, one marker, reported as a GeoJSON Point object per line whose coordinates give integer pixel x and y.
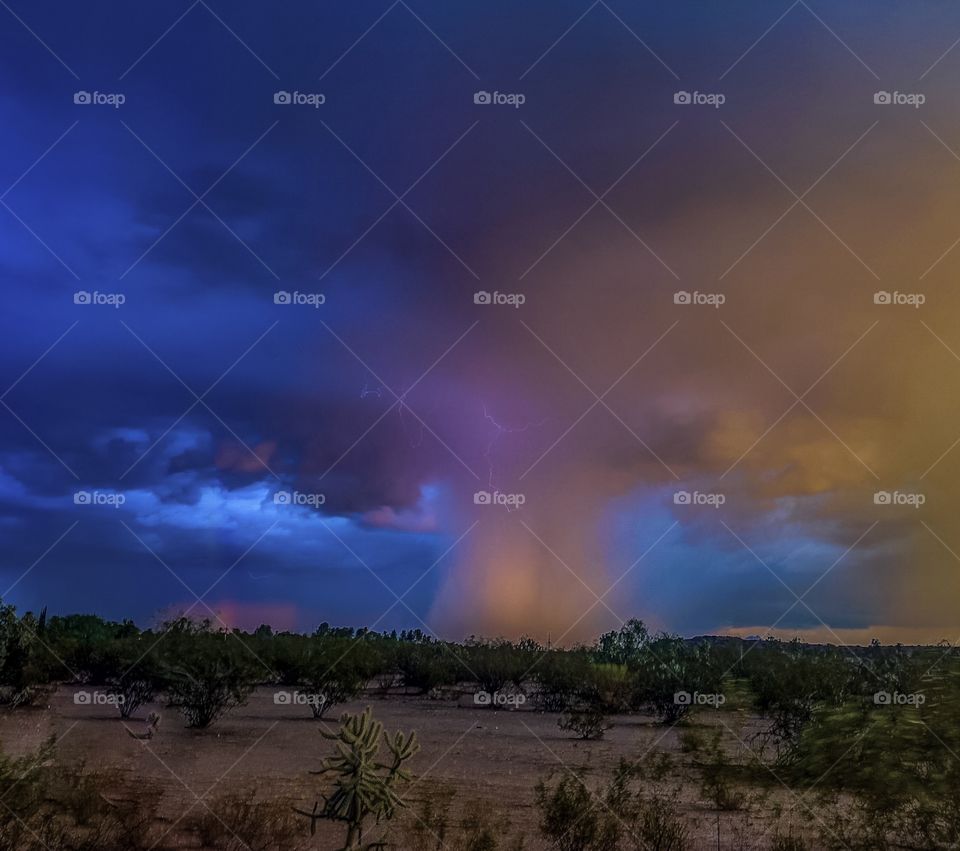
{"type": "Point", "coordinates": [484, 755]}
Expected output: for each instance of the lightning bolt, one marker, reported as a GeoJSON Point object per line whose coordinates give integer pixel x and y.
{"type": "Point", "coordinates": [499, 431]}
{"type": "Point", "coordinates": [377, 392]}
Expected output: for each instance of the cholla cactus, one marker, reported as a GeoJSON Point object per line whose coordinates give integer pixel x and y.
{"type": "Point", "coordinates": [364, 787]}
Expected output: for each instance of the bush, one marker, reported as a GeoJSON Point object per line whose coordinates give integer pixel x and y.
{"type": "Point", "coordinates": [205, 689]}
{"type": "Point", "coordinates": [635, 810]}
{"type": "Point", "coordinates": [206, 673]}
{"type": "Point", "coordinates": [788, 842]}
{"type": "Point", "coordinates": [692, 740]}
{"type": "Point", "coordinates": [482, 827]}
{"type": "Point", "coordinates": [657, 826]}
{"type": "Point", "coordinates": [560, 675]}
{"type": "Point", "coordinates": [667, 666]}
{"type": "Point", "coordinates": [48, 807]}
{"type": "Point", "coordinates": [575, 819]}
{"type": "Point", "coordinates": [718, 774]}
{"type": "Point", "coordinates": [131, 674]}
{"type": "Point", "coordinates": [238, 822]}
{"type": "Point", "coordinates": [588, 723]}
{"type": "Point", "coordinates": [428, 666]}
{"type": "Point", "coordinates": [789, 684]}
{"type": "Point", "coordinates": [331, 671]}
{"type": "Point", "coordinates": [428, 827]}
{"type": "Point", "coordinates": [23, 787]}
{"type": "Point", "coordinates": [494, 665]}
{"type": "Point", "coordinates": [132, 691]}
{"type": "Point", "coordinates": [25, 664]}
{"type": "Point", "coordinates": [623, 646]}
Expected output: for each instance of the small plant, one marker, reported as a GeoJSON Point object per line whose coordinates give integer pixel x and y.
{"type": "Point", "coordinates": [573, 818]}
{"type": "Point", "coordinates": [692, 740]}
{"type": "Point", "coordinates": [364, 788]}
{"type": "Point", "coordinates": [657, 825]}
{"type": "Point", "coordinates": [238, 822]}
{"type": "Point", "coordinates": [23, 785]}
{"type": "Point", "coordinates": [635, 810]}
{"type": "Point", "coordinates": [589, 723]}
{"type": "Point", "coordinates": [787, 842]}
{"type": "Point", "coordinates": [482, 828]}
{"type": "Point", "coordinates": [716, 782]}
{"type": "Point", "coordinates": [132, 692]}
{"type": "Point", "coordinates": [429, 825]}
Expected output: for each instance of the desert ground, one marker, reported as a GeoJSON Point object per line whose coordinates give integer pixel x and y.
{"type": "Point", "coordinates": [490, 759]}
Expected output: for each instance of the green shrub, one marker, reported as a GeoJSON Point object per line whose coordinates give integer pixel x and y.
{"type": "Point", "coordinates": [332, 671]}
{"type": "Point", "coordinates": [588, 723]}
{"type": "Point", "coordinates": [573, 818]}
{"type": "Point", "coordinates": [26, 665]}
{"type": "Point", "coordinates": [237, 821]}
{"type": "Point", "coordinates": [428, 666]}
{"type": "Point", "coordinates": [205, 673]}
{"type": "Point", "coordinates": [495, 665]}
{"type": "Point", "coordinates": [668, 666]}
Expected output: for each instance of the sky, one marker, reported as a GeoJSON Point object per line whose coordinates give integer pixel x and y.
{"type": "Point", "coordinates": [485, 318]}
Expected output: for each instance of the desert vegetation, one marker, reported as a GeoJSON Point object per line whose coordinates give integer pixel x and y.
{"type": "Point", "coordinates": [756, 743]}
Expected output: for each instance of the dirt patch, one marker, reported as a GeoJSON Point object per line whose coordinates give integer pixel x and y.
{"type": "Point", "coordinates": [483, 755]}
